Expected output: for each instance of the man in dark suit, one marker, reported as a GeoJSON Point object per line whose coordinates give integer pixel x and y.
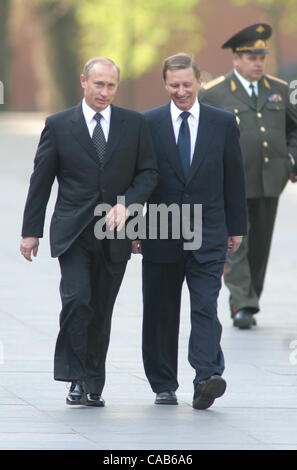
{"type": "Point", "coordinates": [200, 162]}
{"type": "Point", "coordinates": [97, 152]}
{"type": "Point", "coordinates": [268, 139]}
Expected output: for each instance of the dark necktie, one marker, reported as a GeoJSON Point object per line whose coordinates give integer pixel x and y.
{"type": "Point", "coordinates": [98, 138]}
{"type": "Point", "coordinates": [184, 143]}
{"type": "Point", "coordinates": [253, 95]}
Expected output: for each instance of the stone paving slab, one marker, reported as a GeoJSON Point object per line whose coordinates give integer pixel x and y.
{"type": "Point", "coordinates": [259, 408]}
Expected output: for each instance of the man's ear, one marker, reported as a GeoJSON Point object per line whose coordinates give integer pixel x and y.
{"type": "Point", "coordinates": [82, 80]}
{"type": "Point", "coordinates": [166, 86]}
{"type": "Point", "coordinates": [235, 59]}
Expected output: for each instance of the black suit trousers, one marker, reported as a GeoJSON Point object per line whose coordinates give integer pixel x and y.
{"type": "Point", "coordinates": [162, 290]}
{"type": "Point", "coordinates": [89, 286]}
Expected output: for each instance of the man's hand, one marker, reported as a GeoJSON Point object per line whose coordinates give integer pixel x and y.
{"type": "Point", "coordinates": [117, 217]}
{"type": "Point", "coordinates": [28, 246]}
{"type": "Point", "coordinates": [136, 247]}
{"type": "Point", "coordinates": [234, 243]}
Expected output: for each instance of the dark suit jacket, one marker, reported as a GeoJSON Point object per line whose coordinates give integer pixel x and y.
{"type": "Point", "coordinates": [66, 151]}
{"type": "Point", "coordinates": [216, 181]}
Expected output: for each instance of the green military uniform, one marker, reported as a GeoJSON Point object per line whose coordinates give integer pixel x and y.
{"type": "Point", "coordinates": [268, 133]}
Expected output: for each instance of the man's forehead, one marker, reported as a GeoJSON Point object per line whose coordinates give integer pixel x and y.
{"type": "Point", "coordinates": [180, 74]}
{"type": "Point", "coordinates": [100, 69]}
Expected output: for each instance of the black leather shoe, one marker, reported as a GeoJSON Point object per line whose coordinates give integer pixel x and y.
{"type": "Point", "coordinates": [75, 394]}
{"type": "Point", "coordinates": [244, 319]}
{"type": "Point", "coordinates": [166, 398]}
{"type": "Point", "coordinates": [207, 391]}
{"type": "Point", "coordinates": [91, 399]}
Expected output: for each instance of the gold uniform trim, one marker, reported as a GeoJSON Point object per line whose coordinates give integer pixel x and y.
{"type": "Point", "coordinates": [260, 29]}
{"type": "Point", "coordinates": [214, 82]}
{"type": "Point", "coordinates": [259, 44]}
{"type": "Point", "coordinates": [233, 85]}
{"type": "Point", "coordinates": [276, 79]}
{"type": "Point", "coordinates": [266, 83]}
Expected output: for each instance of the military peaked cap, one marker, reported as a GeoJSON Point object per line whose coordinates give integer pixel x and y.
{"type": "Point", "coordinates": [250, 39]}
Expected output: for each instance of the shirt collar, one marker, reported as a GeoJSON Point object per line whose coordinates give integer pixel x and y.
{"type": "Point", "coordinates": [89, 112]}
{"type": "Point", "coordinates": [175, 111]}
{"type": "Point", "coordinates": [246, 83]}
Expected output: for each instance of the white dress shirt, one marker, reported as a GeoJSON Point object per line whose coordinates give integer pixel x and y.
{"type": "Point", "coordinates": [89, 114]}
{"type": "Point", "coordinates": [193, 121]}
{"type": "Point", "coordinates": [245, 83]}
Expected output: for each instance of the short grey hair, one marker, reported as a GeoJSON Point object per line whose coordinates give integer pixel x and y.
{"type": "Point", "coordinates": [180, 61]}
{"type": "Point", "coordinates": [99, 60]}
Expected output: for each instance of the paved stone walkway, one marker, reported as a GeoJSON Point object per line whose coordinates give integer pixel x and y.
{"type": "Point", "coordinates": [259, 408]}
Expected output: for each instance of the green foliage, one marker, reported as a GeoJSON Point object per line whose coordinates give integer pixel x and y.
{"type": "Point", "coordinates": [134, 33]}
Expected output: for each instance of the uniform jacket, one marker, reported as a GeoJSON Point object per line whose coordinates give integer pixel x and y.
{"type": "Point", "coordinates": [66, 152]}
{"type": "Point", "coordinates": [268, 132]}
{"type": "Point", "coordinates": [216, 181]}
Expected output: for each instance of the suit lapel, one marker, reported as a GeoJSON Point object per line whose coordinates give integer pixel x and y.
{"type": "Point", "coordinates": [204, 137]}
{"type": "Point", "coordinates": [116, 131]}
{"type": "Point", "coordinates": [166, 133]}
{"type": "Point", "coordinates": [264, 91]}
{"type": "Point", "coordinates": [239, 91]}
{"type": "Point", "coordinates": [80, 132]}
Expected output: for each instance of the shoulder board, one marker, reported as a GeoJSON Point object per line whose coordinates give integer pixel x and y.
{"type": "Point", "coordinates": [276, 79]}
{"type": "Point", "coordinates": [214, 82]}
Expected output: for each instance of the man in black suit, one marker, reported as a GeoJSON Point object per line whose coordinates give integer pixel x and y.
{"type": "Point", "coordinates": [97, 152]}
{"type": "Point", "coordinates": [200, 163]}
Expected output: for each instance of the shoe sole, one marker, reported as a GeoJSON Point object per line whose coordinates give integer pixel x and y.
{"type": "Point", "coordinates": [85, 402]}
{"type": "Point", "coordinates": [214, 388]}
{"type": "Point", "coordinates": [243, 324]}
{"type": "Point", "coordinates": [164, 402]}
{"type": "Point", "coordinates": [73, 402]}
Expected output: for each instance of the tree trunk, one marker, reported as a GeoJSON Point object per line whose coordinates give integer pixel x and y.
{"type": "Point", "coordinates": [5, 55]}
{"type": "Point", "coordinates": [61, 29]}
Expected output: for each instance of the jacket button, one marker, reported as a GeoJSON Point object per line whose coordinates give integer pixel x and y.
{"type": "Point", "coordinates": [266, 159]}
{"type": "Point", "coordinates": [262, 129]}
{"type": "Point", "coordinates": [265, 144]}
{"type": "Point", "coordinates": [259, 115]}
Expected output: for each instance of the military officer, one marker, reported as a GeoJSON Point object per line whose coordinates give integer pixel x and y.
{"type": "Point", "coordinates": [268, 128]}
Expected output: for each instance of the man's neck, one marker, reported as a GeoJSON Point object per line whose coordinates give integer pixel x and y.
{"type": "Point", "coordinates": [244, 79]}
